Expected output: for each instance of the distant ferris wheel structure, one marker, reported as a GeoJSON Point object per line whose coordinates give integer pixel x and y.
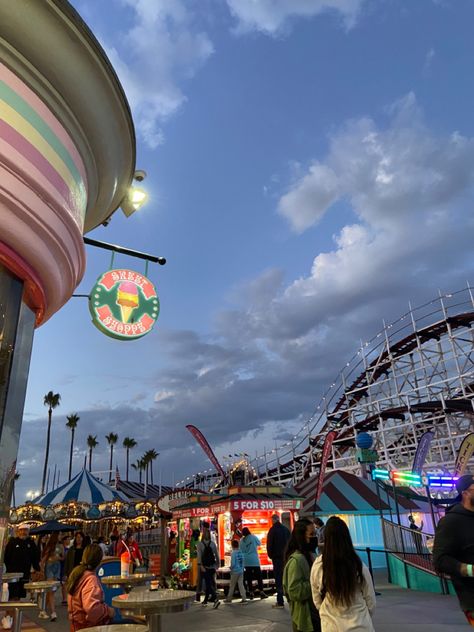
{"type": "Point", "coordinates": [417, 374]}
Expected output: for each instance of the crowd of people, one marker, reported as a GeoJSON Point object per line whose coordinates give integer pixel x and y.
{"type": "Point", "coordinates": [315, 567]}
{"type": "Point", "coordinates": [72, 561]}
{"type": "Point", "coordinates": [327, 586]}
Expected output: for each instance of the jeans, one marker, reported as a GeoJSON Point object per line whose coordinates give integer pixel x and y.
{"type": "Point", "coordinates": [236, 579]}
{"type": "Point", "coordinates": [210, 584]}
{"type": "Point", "coordinates": [278, 566]}
{"type": "Point", "coordinates": [252, 572]}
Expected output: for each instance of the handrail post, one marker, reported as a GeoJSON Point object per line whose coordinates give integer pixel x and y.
{"type": "Point", "coordinates": [369, 561]}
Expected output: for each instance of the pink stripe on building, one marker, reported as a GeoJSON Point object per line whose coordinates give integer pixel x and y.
{"type": "Point", "coordinates": [35, 102]}
{"type": "Point", "coordinates": [32, 155]}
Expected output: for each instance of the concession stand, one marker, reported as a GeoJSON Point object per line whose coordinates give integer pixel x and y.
{"type": "Point", "coordinates": [251, 507]}
{"type": "Point", "coordinates": [227, 514]}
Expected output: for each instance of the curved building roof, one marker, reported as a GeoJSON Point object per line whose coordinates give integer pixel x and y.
{"type": "Point", "coordinates": [48, 45]}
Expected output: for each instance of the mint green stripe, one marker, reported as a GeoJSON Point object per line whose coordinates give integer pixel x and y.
{"type": "Point", "coordinates": [27, 112]}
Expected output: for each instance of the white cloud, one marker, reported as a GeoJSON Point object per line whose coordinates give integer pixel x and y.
{"type": "Point", "coordinates": [309, 198]}
{"type": "Point", "coordinates": [429, 58]}
{"type": "Point", "coordinates": [273, 16]}
{"type": "Point", "coordinates": [159, 52]}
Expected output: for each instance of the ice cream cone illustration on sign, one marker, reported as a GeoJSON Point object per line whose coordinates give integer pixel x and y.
{"type": "Point", "coordinates": [124, 304]}
{"type": "Point", "coordinates": [127, 298]}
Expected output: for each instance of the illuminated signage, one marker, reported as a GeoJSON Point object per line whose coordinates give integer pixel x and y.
{"type": "Point", "coordinates": [124, 304]}
{"type": "Point", "coordinates": [408, 479]}
{"type": "Point", "coordinates": [411, 479]}
{"type": "Point", "coordinates": [262, 504]}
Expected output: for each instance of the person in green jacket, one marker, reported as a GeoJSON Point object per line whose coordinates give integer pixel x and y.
{"type": "Point", "coordinates": [296, 578]}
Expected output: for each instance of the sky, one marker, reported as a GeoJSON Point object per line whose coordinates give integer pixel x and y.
{"type": "Point", "coordinates": [310, 169]}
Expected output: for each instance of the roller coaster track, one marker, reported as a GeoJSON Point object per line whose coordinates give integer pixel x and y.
{"type": "Point", "coordinates": [339, 418]}
{"type": "Point", "coordinates": [414, 375]}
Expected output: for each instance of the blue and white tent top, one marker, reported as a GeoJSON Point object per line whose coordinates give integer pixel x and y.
{"type": "Point", "coordinates": [83, 488]}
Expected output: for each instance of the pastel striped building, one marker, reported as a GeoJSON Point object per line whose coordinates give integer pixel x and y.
{"type": "Point", "coordinates": [67, 159]}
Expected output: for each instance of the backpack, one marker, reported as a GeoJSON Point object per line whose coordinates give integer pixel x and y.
{"type": "Point", "coordinates": [208, 558]}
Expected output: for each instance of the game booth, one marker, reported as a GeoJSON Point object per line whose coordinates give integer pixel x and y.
{"type": "Point", "coordinates": [251, 507]}
{"type": "Point", "coordinates": [187, 522]}
{"type": "Point", "coordinates": [227, 514]}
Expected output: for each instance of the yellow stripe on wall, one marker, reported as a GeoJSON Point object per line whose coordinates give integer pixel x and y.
{"type": "Point", "coordinates": [23, 127]}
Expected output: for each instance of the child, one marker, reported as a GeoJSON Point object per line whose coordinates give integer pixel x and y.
{"type": "Point", "coordinates": [236, 573]}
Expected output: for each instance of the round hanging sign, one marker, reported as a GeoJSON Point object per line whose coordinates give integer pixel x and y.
{"type": "Point", "coordinates": [124, 304]}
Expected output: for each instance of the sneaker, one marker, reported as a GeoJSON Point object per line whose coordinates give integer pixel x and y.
{"type": "Point", "coordinates": [243, 601]}
{"type": "Point", "coordinates": [54, 616]}
{"type": "Point", "coordinates": [216, 604]}
{"type": "Point", "coordinates": [278, 605]}
{"type": "Point", "coordinates": [204, 603]}
{"type": "Point", "coordinates": [43, 615]}
{"type": "Point", "coordinates": [251, 596]}
{"type": "Point", "coordinates": [263, 595]}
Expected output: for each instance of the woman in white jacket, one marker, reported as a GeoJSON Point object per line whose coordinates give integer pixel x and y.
{"type": "Point", "coordinates": [341, 584]}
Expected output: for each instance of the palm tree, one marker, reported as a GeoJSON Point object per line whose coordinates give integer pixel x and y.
{"type": "Point", "coordinates": [51, 400]}
{"type": "Point", "coordinates": [112, 440]}
{"type": "Point", "coordinates": [72, 424]}
{"type": "Point", "coordinates": [139, 467]}
{"type": "Point", "coordinates": [15, 478]}
{"type": "Point", "coordinates": [149, 457]}
{"type": "Point", "coordinates": [91, 443]}
{"type": "Point", "coordinates": [128, 444]}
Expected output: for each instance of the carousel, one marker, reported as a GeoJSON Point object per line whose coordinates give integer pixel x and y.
{"type": "Point", "coordinates": [87, 502]}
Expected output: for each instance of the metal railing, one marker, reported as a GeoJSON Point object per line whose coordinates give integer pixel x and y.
{"type": "Point", "coordinates": [411, 545]}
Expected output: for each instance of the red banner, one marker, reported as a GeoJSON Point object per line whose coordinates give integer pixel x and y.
{"type": "Point", "coordinates": [324, 461]}
{"type": "Point", "coordinates": [201, 439]}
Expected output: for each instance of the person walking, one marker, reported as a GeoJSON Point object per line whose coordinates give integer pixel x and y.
{"type": "Point", "coordinates": [453, 551]}
{"type": "Point", "coordinates": [236, 573]}
{"type": "Point", "coordinates": [53, 555]}
{"type": "Point", "coordinates": [341, 584]}
{"type": "Point", "coordinates": [249, 546]}
{"type": "Point", "coordinates": [21, 554]}
{"type": "Point", "coordinates": [86, 604]}
{"type": "Point", "coordinates": [208, 561]}
{"type": "Point", "coordinates": [277, 540]}
{"type": "Point", "coordinates": [416, 534]}
{"type": "Point", "coordinates": [130, 545]}
{"type": "Point", "coordinates": [296, 578]}
{"type": "Point", "coordinates": [74, 554]}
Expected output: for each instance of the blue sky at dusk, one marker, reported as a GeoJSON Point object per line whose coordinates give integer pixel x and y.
{"type": "Point", "coordinates": [310, 168]}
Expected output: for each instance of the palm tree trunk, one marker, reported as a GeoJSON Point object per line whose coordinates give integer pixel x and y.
{"type": "Point", "coordinates": [13, 494]}
{"type": "Point", "coordinates": [140, 474]}
{"type": "Point", "coordinates": [127, 464]}
{"type": "Point", "coordinates": [151, 471]}
{"type": "Point", "coordinates": [111, 461]}
{"type": "Point", "coordinates": [46, 456]}
{"type": "Point", "coordinates": [70, 453]}
{"type": "Point", "coordinates": [90, 459]}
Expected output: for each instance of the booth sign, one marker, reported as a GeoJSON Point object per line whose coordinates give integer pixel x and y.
{"type": "Point", "coordinates": [124, 304]}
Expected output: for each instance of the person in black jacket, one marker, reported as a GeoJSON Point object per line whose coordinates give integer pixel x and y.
{"type": "Point", "coordinates": [453, 551]}
{"type": "Point", "coordinates": [277, 539]}
{"type": "Point", "coordinates": [21, 553]}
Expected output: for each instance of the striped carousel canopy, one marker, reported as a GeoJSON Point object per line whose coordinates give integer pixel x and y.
{"type": "Point", "coordinates": [83, 488]}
